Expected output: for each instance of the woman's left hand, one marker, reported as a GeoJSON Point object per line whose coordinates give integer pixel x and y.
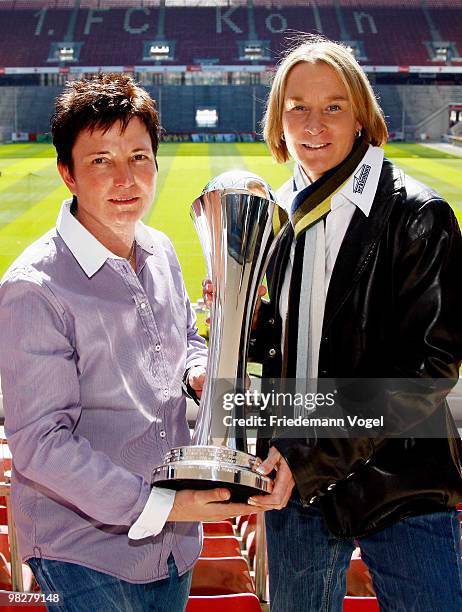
{"type": "Point", "coordinates": [283, 483]}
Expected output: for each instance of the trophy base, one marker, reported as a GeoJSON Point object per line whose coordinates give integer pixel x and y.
{"type": "Point", "coordinates": [209, 467]}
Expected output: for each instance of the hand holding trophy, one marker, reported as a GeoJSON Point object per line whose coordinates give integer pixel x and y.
{"type": "Point", "coordinates": [234, 220]}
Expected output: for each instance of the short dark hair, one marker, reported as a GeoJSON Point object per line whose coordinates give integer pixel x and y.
{"type": "Point", "coordinates": [98, 103]}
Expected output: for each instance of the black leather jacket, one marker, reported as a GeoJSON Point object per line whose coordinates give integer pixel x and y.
{"type": "Point", "coordinates": [393, 309]}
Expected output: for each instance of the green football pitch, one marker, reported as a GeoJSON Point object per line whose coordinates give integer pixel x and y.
{"type": "Point", "coordinates": [31, 190]}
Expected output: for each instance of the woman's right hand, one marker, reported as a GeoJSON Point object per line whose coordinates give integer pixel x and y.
{"type": "Point", "coordinates": [192, 505]}
{"type": "Point", "coordinates": [208, 293]}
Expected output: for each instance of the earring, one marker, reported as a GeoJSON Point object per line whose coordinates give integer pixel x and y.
{"type": "Point", "coordinates": [282, 138]}
{"type": "Point", "coordinates": [358, 133]}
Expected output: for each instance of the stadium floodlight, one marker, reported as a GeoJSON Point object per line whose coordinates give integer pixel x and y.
{"type": "Point", "coordinates": [441, 54]}
{"type": "Point", "coordinates": [206, 117]}
{"type": "Point", "coordinates": [353, 50]}
{"type": "Point", "coordinates": [159, 51]}
{"type": "Point", "coordinates": [65, 51]}
{"type": "Point", "coordinates": [66, 54]}
{"type": "Point", "coordinates": [253, 51]}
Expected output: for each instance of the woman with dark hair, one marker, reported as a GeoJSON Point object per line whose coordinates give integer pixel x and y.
{"type": "Point", "coordinates": [97, 336]}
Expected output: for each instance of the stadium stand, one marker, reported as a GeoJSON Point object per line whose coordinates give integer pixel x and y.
{"type": "Point", "coordinates": [382, 35]}
{"type": "Point", "coordinates": [225, 51]}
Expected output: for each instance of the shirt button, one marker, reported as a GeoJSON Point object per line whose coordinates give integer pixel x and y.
{"type": "Point", "coordinates": [166, 392]}
{"type": "Point", "coordinates": [158, 347]}
{"type": "Point", "coordinates": [272, 352]}
{"type": "Point", "coordinates": [143, 305]}
{"type": "Point", "coordinates": [162, 434]}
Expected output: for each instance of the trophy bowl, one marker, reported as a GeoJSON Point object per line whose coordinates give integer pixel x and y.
{"type": "Point", "coordinates": [233, 218]}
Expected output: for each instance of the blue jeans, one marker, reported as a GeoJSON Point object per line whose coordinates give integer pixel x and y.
{"type": "Point", "coordinates": [86, 590]}
{"type": "Point", "coordinates": [415, 564]}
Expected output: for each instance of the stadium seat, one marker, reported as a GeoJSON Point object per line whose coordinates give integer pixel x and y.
{"type": "Point", "coordinates": [221, 576]}
{"type": "Point", "coordinates": [5, 575]}
{"type": "Point", "coordinates": [360, 604]}
{"type": "Point", "coordinates": [221, 546]}
{"type": "Point", "coordinates": [29, 608]}
{"type": "Point", "coordinates": [251, 546]}
{"type": "Point", "coordinates": [242, 602]}
{"type": "Point", "coordinates": [248, 526]}
{"type": "Point", "coordinates": [240, 520]}
{"type": "Point", "coordinates": [4, 544]}
{"type": "Point", "coordinates": [6, 463]}
{"type": "Point", "coordinates": [220, 528]}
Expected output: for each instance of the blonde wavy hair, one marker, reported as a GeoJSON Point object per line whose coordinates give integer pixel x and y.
{"type": "Point", "coordinates": [313, 49]}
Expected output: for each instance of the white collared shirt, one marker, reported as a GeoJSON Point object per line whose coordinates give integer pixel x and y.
{"type": "Point", "coordinates": [358, 192]}
{"type": "Point", "coordinates": [88, 250]}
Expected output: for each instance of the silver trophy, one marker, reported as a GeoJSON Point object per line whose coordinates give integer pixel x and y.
{"type": "Point", "coordinates": [234, 220]}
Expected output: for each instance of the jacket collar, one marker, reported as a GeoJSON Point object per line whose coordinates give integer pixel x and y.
{"type": "Point", "coordinates": [361, 186]}
{"type": "Point", "coordinates": [90, 254]}
{"type": "Point", "coordinates": [361, 238]}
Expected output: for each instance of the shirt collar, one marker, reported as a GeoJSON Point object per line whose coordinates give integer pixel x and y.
{"type": "Point", "coordinates": [300, 179]}
{"type": "Point", "coordinates": [361, 186]}
{"type": "Point", "coordinates": [90, 254]}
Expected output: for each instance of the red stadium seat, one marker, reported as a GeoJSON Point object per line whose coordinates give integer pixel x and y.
{"type": "Point", "coordinates": [240, 520]}
{"type": "Point", "coordinates": [5, 575]}
{"type": "Point", "coordinates": [248, 526]}
{"type": "Point", "coordinates": [251, 546]}
{"type": "Point", "coordinates": [221, 576]}
{"type": "Point", "coordinates": [31, 608]}
{"type": "Point", "coordinates": [360, 604]}
{"type": "Point", "coordinates": [220, 528]}
{"type": "Point", "coordinates": [243, 602]}
{"type": "Point", "coordinates": [221, 546]}
{"type": "Point", "coordinates": [6, 464]}
{"type": "Point", "coordinates": [4, 544]}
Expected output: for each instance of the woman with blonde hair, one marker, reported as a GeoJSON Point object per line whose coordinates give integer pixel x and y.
{"type": "Point", "coordinates": [364, 286]}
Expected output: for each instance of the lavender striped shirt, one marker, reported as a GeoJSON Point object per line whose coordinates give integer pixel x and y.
{"type": "Point", "coordinates": [92, 357]}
